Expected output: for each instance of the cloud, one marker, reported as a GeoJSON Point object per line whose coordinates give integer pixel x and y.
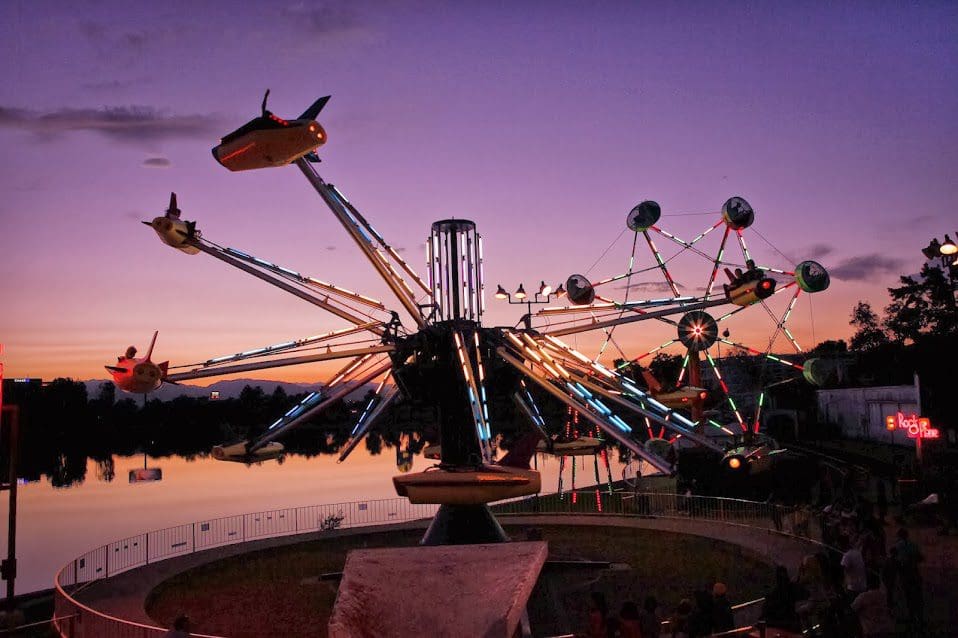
{"type": "Point", "coordinates": [107, 40]}
{"type": "Point", "coordinates": [650, 286]}
{"type": "Point", "coordinates": [325, 21]}
{"type": "Point", "coordinates": [817, 251]}
{"type": "Point", "coordinates": [866, 267]}
{"type": "Point", "coordinates": [112, 86]}
{"type": "Point", "coordinates": [157, 162]}
{"type": "Point", "coordinates": [128, 124]}
{"type": "Point", "coordinates": [330, 248]}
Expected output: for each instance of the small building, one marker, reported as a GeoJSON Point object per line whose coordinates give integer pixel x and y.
{"type": "Point", "coordinates": [860, 412]}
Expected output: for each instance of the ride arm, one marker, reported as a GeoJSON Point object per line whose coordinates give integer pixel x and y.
{"type": "Point", "coordinates": [346, 381]}
{"type": "Point", "coordinates": [363, 234]}
{"type": "Point", "coordinates": [616, 387]}
{"type": "Point", "coordinates": [377, 404]}
{"type": "Point", "coordinates": [527, 405]}
{"type": "Point", "coordinates": [589, 407]}
{"type": "Point", "coordinates": [278, 363]}
{"type": "Point", "coordinates": [476, 400]}
{"type": "Point", "coordinates": [293, 283]}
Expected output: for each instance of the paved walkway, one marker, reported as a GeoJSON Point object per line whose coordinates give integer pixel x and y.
{"type": "Point", "coordinates": [124, 595]}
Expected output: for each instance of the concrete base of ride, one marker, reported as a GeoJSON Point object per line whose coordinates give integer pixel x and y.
{"type": "Point", "coordinates": [460, 591]}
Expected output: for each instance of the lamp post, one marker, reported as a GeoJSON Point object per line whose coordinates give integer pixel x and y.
{"type": "Point", "coordinates": [946, 252]}
{"type": "Point", "coordinates": [542, 296]}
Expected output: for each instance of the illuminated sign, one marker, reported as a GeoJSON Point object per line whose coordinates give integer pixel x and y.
{"type": "Point", "coordinates": [916, 427]}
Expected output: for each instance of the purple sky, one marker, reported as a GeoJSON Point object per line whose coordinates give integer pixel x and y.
{"type": "Point", "coordinates": [543, 122]}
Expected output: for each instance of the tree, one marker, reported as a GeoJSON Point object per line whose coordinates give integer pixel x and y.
{"type": "Point", "coordinates": [830, 346]}
{"type": "Point", "coordinates": [665, 368]}
{"type": "Point", "coordinates": [869, 334]}
{"type": "Point", "coordinates": [922, 306]}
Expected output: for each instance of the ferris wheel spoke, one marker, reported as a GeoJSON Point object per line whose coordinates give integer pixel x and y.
{"type": "Point", "coordinates": [741, 243]}
{"type": "Point", "coordinates": [766, 355]}
{"type": "Point", "coordinates": [724, 386]}
{"type": "Point", "coordinates": [661, 263]}
{"type": "Point", "coordinates": [716, 263]}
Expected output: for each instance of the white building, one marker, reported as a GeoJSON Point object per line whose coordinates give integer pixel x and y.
{"type": "Point", "coordinates": [861, 412]}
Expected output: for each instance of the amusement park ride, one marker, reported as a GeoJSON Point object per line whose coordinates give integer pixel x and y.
{"type": "Point", "coordinates": [441, 354]}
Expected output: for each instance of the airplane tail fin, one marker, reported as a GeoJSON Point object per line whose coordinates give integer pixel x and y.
{"type": "Point", "coordinates": [152, 343]}
{"type": "Point", "coordinates": [314, 109]}
{"type": "Point", "coordinates": [521, 452]}
{"type": "Point", "coordinates": [172, 211]}
{"type": "Point", "coordinates": [651, 381]}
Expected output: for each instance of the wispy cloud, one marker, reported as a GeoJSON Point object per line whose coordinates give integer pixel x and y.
{"type": "Point", "coordinates": [112, 86]}
{"type": "Point", "coordinates": [327, 20]}
{"type": "Point", "coordinates": [128, 124]}
{"type": "Point", "coordinates": [818, 251]}
{"type": "Point", "coordinates": [157, 162]}
{"type": "Point", "coordinates": [649, 286]}
{"type": "Point", "coordinates": [866, 267]}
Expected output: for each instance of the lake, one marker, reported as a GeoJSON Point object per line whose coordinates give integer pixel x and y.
{"type": "Point", "coordinates": [56, 525]}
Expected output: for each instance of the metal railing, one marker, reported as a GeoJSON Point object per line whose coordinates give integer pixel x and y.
{"type": "Point", "coordinates": [73, 619]}
{"type": "Point", "coordinates": [800, 522]}
{"type": "Point", "coordinates": [76, 620]}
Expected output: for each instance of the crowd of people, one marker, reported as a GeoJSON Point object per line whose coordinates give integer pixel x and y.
{"type": "Point", "coordinates": [701, 615]}
{"type": "Point", "coordinates": [861, 584]}
{"type": "Point", "coordinates": [861, 587]}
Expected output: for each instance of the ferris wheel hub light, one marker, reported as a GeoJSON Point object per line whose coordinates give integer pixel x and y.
{"type": "Point", "coordinates": [735, 463]}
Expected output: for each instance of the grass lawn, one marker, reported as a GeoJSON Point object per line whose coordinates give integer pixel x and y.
{"type": "Point", "coordinates": [275, 591]}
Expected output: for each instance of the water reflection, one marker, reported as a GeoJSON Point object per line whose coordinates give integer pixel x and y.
{"type": "Point", "coordinates": [74, 448]}
{"type": "Point", "coordinates": [56, 524]}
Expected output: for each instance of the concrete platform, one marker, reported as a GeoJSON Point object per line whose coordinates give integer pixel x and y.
{"type": "Point", "coordinates": [460, 591]}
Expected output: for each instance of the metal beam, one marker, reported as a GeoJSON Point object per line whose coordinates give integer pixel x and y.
{"type": "Point", "coordinates": [338, 208]}
{"type": "Point", "coordinates": [333, 397]}
{"type": "Point", "coordinates": [277, 363]}
{"type": "Point", "coordinates": [283, 285]}
{"type": "Point", "coordinates": [584, 410]}
{"type": "Point", "coordinates": [598, 325]}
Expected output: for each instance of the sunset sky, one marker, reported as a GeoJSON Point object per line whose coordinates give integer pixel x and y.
{"type": "Point", "coordinates": [544, 122]}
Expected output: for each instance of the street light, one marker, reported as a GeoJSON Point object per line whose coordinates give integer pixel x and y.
{"type": "Point", "coordinates": [544, 295]}
{"type": "Point", "coordinates": [948, 247]}
{"type": "Point", "coordinates": [942, 251]}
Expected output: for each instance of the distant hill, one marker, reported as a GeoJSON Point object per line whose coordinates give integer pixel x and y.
{"type": "Point", "coordinates": [228, 389]}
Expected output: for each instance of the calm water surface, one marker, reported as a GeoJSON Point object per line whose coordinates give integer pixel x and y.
{"type": "Point", "coordinates": [56, 525]}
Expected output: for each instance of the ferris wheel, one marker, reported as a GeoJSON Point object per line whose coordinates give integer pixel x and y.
{"type": "Point", "coordinates": [734, 279]}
